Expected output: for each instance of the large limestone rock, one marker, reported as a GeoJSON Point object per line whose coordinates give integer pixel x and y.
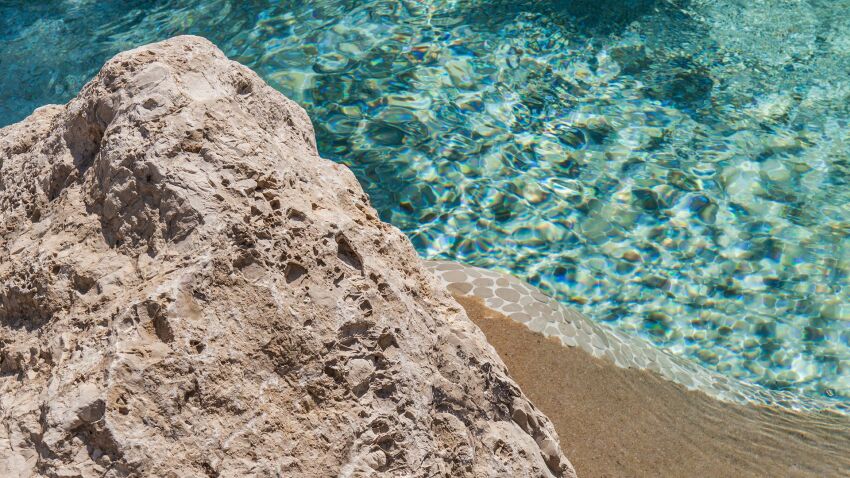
{"type": "Point", "coordinates": [187, 289]}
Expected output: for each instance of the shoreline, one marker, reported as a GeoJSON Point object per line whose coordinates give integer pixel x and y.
{"type": "Point", "coordinates": [527, 305]}
{"type": "Point", "coordinates": [616, 421]}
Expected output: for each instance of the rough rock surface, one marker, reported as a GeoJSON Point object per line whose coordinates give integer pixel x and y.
{"type": "Point", "coordinates": [187, 289]}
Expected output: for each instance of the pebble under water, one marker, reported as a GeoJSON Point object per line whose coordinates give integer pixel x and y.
{"type": "Point", "coordinates": [678, 169]}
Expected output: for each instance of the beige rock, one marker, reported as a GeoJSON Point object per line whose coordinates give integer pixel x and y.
{"type": "Point", "coordinates": [187, 289]}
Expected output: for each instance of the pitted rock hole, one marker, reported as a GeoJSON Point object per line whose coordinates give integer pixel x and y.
{"type": "Point", "coordinates": [347, 254]}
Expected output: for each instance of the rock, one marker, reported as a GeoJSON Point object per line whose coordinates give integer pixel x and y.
{"type": "Point", "coordinates": [646, 199]}
{"type": "Point", "coordinates": [359, 375]}
{"type": "Point", "coordinates": [461, 73]}
{"type": "Point", "coordinates": [188, 289]}
{"type": "Point", "coordinates": [630, 54]}
{"type": "Point", "coordinates": [772, 108]}
{"type": "Point", "coordinates": [834, 310]}
{"type": "Point", "coordinates": [631, 256]}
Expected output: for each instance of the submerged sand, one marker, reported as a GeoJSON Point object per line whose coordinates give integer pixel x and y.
{"type": "Point", "coordinates": [616, 422]}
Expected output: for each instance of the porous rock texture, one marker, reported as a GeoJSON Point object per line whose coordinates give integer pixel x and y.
{"type": "Point", "coordinates": [189, 290]}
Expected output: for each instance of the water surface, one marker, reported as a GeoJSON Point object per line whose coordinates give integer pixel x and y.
{"type": "Point", "coordinates": [678, 169]}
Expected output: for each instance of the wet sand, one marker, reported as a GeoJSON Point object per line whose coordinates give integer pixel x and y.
{"type": "Point", "coordinates": [617, 422]}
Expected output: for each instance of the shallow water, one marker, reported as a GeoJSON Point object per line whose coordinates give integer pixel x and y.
{"type": "Point", "coordinates": [678, 169]}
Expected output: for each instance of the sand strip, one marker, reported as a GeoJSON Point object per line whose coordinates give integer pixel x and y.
{"type": "Point", "coordinates": [616, 422]}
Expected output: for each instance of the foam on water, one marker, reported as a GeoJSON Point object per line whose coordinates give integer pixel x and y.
{"type": "Point", "coordinates": [676, 169]}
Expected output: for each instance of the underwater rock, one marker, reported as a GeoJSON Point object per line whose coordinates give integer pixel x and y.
{"type": "Point", "coordinates": [630, 54]}
{"type": "Point", "coordinates": [188, 289]}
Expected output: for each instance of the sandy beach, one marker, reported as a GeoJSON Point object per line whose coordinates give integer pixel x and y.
{"type": "Point", "coordinates": [617, 422]}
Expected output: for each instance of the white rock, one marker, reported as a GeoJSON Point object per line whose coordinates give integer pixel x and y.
{"type": "Point", "coordinates": [172, 326]}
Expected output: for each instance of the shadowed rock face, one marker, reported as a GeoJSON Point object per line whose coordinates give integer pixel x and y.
{"type": "Point", "coordinates": [187, 289]}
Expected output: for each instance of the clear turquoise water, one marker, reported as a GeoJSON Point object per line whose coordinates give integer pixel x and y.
{"type": "Point", "coordinates": [678, 169]}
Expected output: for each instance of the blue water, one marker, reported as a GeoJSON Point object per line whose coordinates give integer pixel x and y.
{"type": "Point", "coordinates": [678, 169]}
